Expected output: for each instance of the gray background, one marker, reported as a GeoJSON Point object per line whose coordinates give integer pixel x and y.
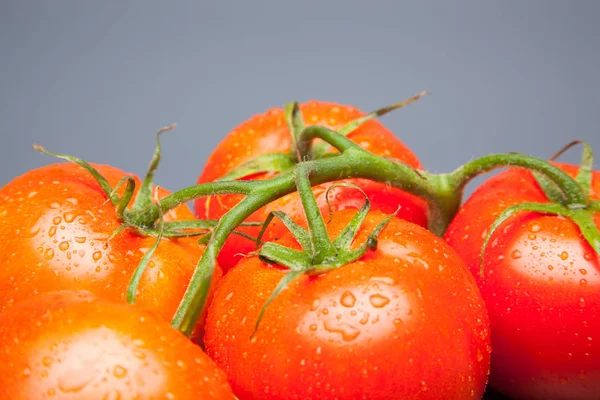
{"type": "Point", "coordinates": [97, 79]}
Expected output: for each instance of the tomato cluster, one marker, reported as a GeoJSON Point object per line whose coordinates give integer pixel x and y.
{"type": "Point", "coordinates": [372, 306]}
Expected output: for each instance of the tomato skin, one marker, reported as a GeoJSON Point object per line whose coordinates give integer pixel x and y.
{"type": "Point", "coordinates": [541, 287]}
{"type": "Point", "coordinates": [54, 226]}
{"type": "Point", "coordinates": [73, 345]}
{"type": "Point", "coordinates": [267, 133]}
{"type": "Point", "coordinates": [405, 321]}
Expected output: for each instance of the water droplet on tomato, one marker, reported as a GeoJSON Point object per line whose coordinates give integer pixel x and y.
{"type": "Point", "coordinates": [479, 355]}
{"type": "Point", "coordinates": [535, 228]}
{"type": "Point", "coordinates": [119, 371]}
{"type": "Point", "coordinates": [583, 271]}
{"type": "Point", "coordinates": [47, 361]}
{"type": "Point", "coordinates": [63, 246]}
{"type": "Point", "coordinates": [348, 299]}
{"type": "Point", "coordinates": [314, 305]}
{"type": "Point", "coordinates": [74, 381]}
{"type": "Point", "coordinates": [550, 267]}
{"type": "Point", "coordinates": [383, 279]}
{"type": "Point", "coordinates": [348, 332]}
{"type": "Point", "coordinates": [587, 257]}
{"type": "Point", "coordinates": [378, 301]}
{"type": "Point", "coordinates": [49, 254]}
{"type": "Point", "coordinates": [97, 255]}
{"type": "Point", "coordinates": [112, 395]}
{"type": "Point", "coordinates": [52, 231]}
{"type": "Point", "coordinates": [423, 386]}
{"type": "Point", "coordinates": [56, 220]}
{"type": "Point", "coordinates": [80, 239]}
{"type": "Point", "coordinates": [581, 302]}
{"type": "Point", "coordinates": [564, 255]}
{"type": "Point", "coordinates": [516, 254]}
{"type": "Point", "coordinates": [69, 217]}
{"type": "Point", "coordinates": [583, 283]}
{"type": "Point", "coordinates": [365, 319]}
{"type": "Point", "coordinates": [532, 236]}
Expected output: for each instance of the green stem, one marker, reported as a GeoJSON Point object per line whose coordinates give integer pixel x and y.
{"type": "Point", "coordinates": [571, 189]}
{"type": "Point", "coordinates": [144, 197]}
{"type": "Point", "coordinates": [124, 201]}
{"type": "Point", "coordinates": [307, 136]}
{"type": "Point", "coordinates": [322, 246]}
{"type": "Point", "coordinates": [148, 215]}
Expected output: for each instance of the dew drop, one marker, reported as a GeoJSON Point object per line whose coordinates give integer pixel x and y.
{"type": "Point", "coordinates": [365, 319]}
{"type": "Point", "coordinates": [582, 302]}
{"type": "Point", "coordinates": [72, 382]}
{"type": "Point", "coordinates": [69, 217]}
{"type": "Point", "coordinates": [587, 257]}
{"type": "Point", "coordinates": [348, 332]}
{"type": "Point", "coordinates": [112, 395]}
{"type": "Point", "coordinates": [564, 255]}
{"type": "Point", "coordinates": [383, 279]}
{"type": "Point", "coordinates": [49, 254]}
{"type": "Point", "coordinates": [52, 231]}
{"type": "Point", "coordinates": [378, 301]}
{"type": "Point", "coordinates": [47, 361]}
{"type": "Point", "coordinates": [479, 355]}
{"type": "Point", "coordinates": [56, 220]}
{"type": "Point", "coordinates": [119, 371]}
{"type": "Point", "coordinates": [550, 267]}
{"type": "Point", "coordinates": [516, 254]}
{"type": "Point", "coordinates": [80, 239]}
{"type": "Point", "coordinates": [97, 255]}
{"type": "Point", "coordinates": [348, 299]}
{"type": "Point", "coordinates": [583, 283]}
{"type": "Point", "coordinates": [535, 228]}
{"type": "Point", "coordinates": [314, 305]}
{"type": "Point", "coordinates": [563, 381]}
{"type": "Point", "coordinates": [583, 271]}
{"type": "Point", "coordinates": [63, 246]}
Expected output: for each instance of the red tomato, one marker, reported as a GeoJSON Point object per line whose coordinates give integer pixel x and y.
{"type": "Point", "coordinates": [405, 321]}
{"type": "Point", "coordinates": [72, 345]}
{"type": "Point", "coordinates": [541, 287]}
{"type": "Point", "coordinates": [54, 227]}
{"type": "Point", "coordinates": [267, 133]}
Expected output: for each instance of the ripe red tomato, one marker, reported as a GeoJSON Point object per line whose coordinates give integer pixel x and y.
{"type": "Point", "coordinates": [541, 287]}
{"type": "Point", "coordinates": [54, 226]}
{"type": "Point", "coordinates": [72, 345]}
{"type": "Point", "coordinates": [268, 133]}
{"type": "Point", "coordinates": [404, 321]}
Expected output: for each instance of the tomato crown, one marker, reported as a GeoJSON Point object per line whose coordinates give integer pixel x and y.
{"type": "Point", "coordinates": [578, 206]}
{"type": "Point", "coordinates": [319, 253]}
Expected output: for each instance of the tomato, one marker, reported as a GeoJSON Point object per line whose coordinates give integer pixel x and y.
{"type": "Point", "coordinates": [268, 133]}
{"type": "Point", "coordinates": [541, 287]}
{"type": "Point", "coordinates": [404, 321]}
{"type": "Point", "coordinates": [54, 227]}
{"type": "Point", "coordinates": [73, 345]}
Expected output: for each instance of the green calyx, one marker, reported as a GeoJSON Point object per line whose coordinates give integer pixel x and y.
{"type": "Point", "coordinates": [576, 205]}
{"type": "Point", "coordinates": [319, 253]}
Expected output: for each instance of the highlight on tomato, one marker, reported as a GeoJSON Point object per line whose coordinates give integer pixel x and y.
{"type": "Point", "coordinates": [540, 282]}
{"type": "Point", "coordinates": [265, 145]}
{"type": "Point", "coordinates": [74, 345]}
